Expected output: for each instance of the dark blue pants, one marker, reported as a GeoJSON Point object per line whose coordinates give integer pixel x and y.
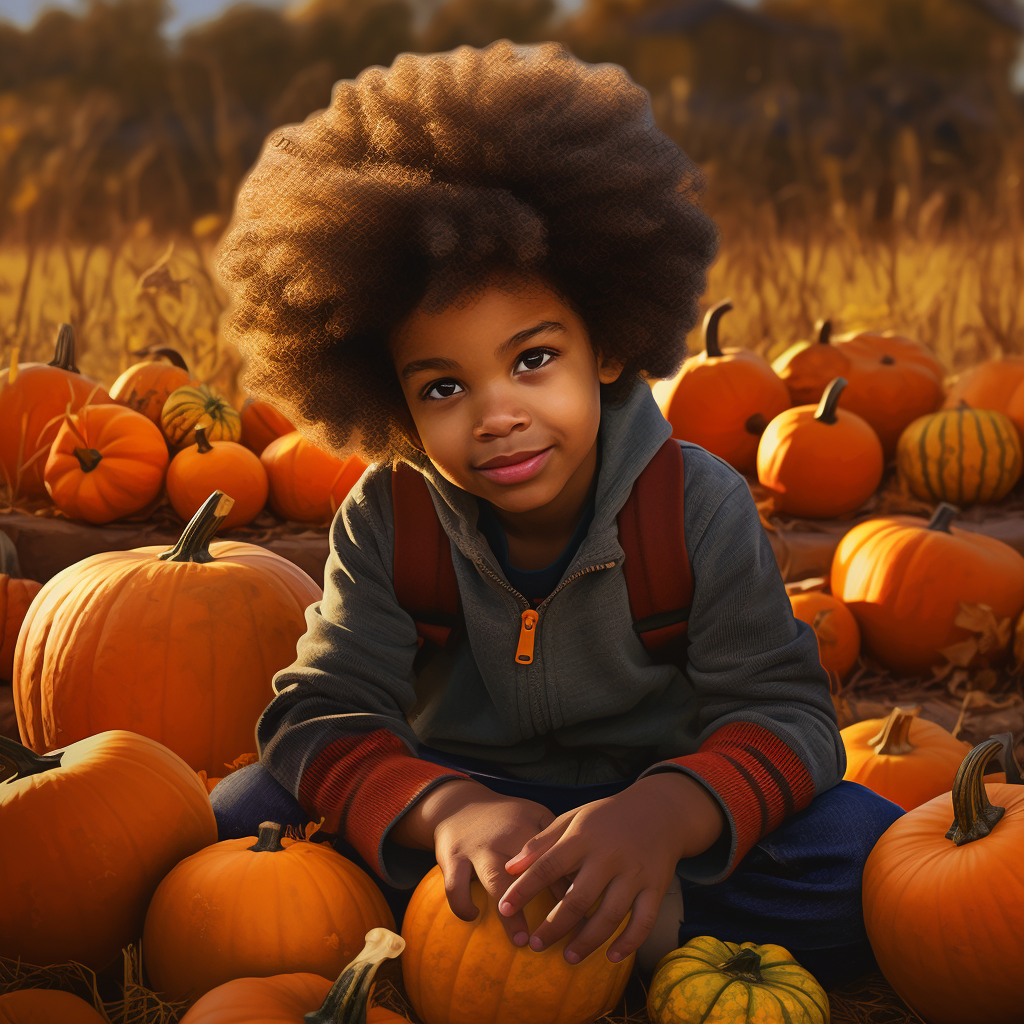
{"type": "Point", "coordinates": [800, 887]}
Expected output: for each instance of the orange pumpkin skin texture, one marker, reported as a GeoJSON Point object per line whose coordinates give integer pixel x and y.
{"type": "Point", "coordinates": [467, 972]}
{"type": "Point", "coordinates": [302, 478]}
{"type": "Point", "coordinates": [994, 384]}
{"type": "Point", "coordinates": [261, 423]}
{"type": "Point", "coordinates": [106, 462]}
{"type": "Point", "coordinates": [30, 409]}
{"type": "Point", "coordinates": [723, 398]}
{"type": "Point", "coordinates": [904, 583]}
{"type": "Point", "coordinates": [182, 651]}
{"type": "Point", "coordinates": [211, 465]}
{"type": "Point", "coordinates": [835, 627]}
{"type": "Point", "coordinates": [230, 911]}
{"type": "Point", "coordinates": [946, 922]}
{"type": "Point", "coordinates": [352, 469]}
{"type": "Point", "coordinates": [46, 1006]}
{"type": "Point", "coordinates": [95, 835]}
{"type": "Point", "coordinates": [807, 367]}
{"type": "Point", "coordinates": [144, 387]}
{"type": "Point", "coordinates": [820, 461]}
{"type": "Point", "coordinates": [15, 597]}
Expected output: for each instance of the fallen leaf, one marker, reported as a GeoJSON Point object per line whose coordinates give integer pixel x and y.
{"type": "Point", "coordinates": [993, 633]}
{"type": "Point", "coordinates": [242, 761]}
{"type": "Point", "coordinates": [961, 654]}
{"type": "Point", "coordinates": [807, 586]}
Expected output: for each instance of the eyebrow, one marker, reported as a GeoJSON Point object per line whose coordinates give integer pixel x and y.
{"type": "Point", "coordinates": [440, 363]}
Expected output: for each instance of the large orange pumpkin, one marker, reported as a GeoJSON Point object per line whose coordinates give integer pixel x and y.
{"type": "Point", "coordinates": [467, 972]}
{"type": "Point", "coordinates": [46, 1006]}
{"type": "Point", "coordinates": [177, 644]}
{"type": "Point", "coordinates": [89, 831]}
{"type": "Point", "coordinates": [943, 897]}
{"type": "Point", "coordinates": [303, 478]}
{"type": "Point", "coordinates": [835, 627]}
{"type": "Point", "coordinates": [145, 386]}
{"type": "Point", "coordinates": [257, 907]}
{"type": "Point", "coordinates": [15, 597]}
{"type": "Point", "coordinates": [33, 399]}
{"type": "Point", "coordinates": [261, 423]}
{"type": "Point", "coordinates": [994, 384]}
{"type": "Point", "coordinates": [722, 399]}
{"type": "Point", "coordinates": [905, 580]}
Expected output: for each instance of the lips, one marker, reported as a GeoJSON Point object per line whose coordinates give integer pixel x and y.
{"type": "Point", "coordinates": [509, 460]}
{"type": "Point", "coordinates": [516, 468]}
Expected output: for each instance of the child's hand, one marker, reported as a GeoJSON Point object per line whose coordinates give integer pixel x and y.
{"type": "Point", "coordinates": [624, 847]}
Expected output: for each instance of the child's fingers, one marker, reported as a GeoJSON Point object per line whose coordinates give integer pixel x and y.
{"type": "Point", "coordinates": [540, 843]}
{"type": "Point", "coordinates": [581, 895]}
{"type": "Point", "coordinates": [458, 874]}
{"type": "Point", "coordinates": [615, 906]}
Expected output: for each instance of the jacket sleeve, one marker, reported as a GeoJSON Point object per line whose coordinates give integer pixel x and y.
{"type": "Point", "coordinates": [769, 740]}
{"type": "Point", "coordinates": [336, 735]}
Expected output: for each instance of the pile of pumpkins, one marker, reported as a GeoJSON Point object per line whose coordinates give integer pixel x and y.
{"type": "Point", "coordinates": [101, 456]}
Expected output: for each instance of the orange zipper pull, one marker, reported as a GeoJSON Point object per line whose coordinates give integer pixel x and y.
{"type": "Point", "coordinates": [527, 632]}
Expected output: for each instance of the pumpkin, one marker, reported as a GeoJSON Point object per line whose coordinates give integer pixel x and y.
{"type": "Point", "coordinates": [46, 1006]}
{"type": "Point", "coordinates": [722, 399]}
{"type": "Point", "coordinates": [106, 461]}
{"type": "Point", "coordinates": [351, 471]}
{"type": "Point", "coordinates": [943, 897]}
{"type": "Point", "coordinates": [207, 465]}
{"type": "Point", "coordinates": [294, 998]}
{"type": "Point", "coordinates": [261, 423]}
{"type": "Point", "coordinates": [994, 384]}
{"type": "Point", "coordinates": [807, 366]}
{"type": "Point", "coordinates": [15, 597]}
{"type": "Point", "coordinates": [90, 830]}
{"type": "Point", "coordinates": [961, 455]}
{"type": "Point", "coordinates": [906, 579]}
{"type": "Point", "coordinates": [467, 972]}
{"type": "Point", "coordinates": [186, 406]}
{"type": "Point", "coordinates": [835, 627]}
{"type": "Point", "coordinates": [302, 478]}
{"type": "Point", "coordinates": [256, 907]}
{"type": "Point", "coordinates": [710, 980]}
{"type": "Point", "coordinates": [33, 399]}
{"type": "Point", "coordinates": [145, 386]}
{"type": "Point", "coordinates": [179, 645]}
{"type": "Point", "coordinates": [820, 462]}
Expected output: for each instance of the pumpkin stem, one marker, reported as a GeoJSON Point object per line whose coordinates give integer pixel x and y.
{"type": "Point", "coordinates": [745, 964]}
{"type": "Point", "coordinates": [973, 816]}
{"type": "Point", "coordinates": [755, 424]}
{"type": "Point", "coordinates": [193, 544]}
{"type": "Point", "coordinates": [887, 360]}
{"type": "Point", "coordinates": [88, 458]}
{"type": "Point", "coordinates": [824, 329]}
{"type": "Point", "coordinates": [172, 355]}
{"type": "Point", "coordinates": [347, 1000]}
{"type": "Point", "coordinates": [202, 444]}
{"type": "Point", "coordinates": [64, 354]}
{"type": "Point", "coordinates": [894, 737]}
{"type": "Point", "coordinates": [826, 412]}
{"type": "Point", "coordinates": [269, 840]}
{"type": "Point", "coordinates": [943, 515]}
{"type": "Point", "coordinates": [963, 405]}
{"type": "Point", "coordinates": [24, 761]}
{"type": "Point", "coordinates": [711, 318]}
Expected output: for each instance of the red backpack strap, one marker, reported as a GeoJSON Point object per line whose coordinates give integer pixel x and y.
{"type": "Point", "coordinates": [422, 570]}
{"type": "Point", "coordinates": [656, 565]}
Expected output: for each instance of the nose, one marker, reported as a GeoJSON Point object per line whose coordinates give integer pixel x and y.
{"type": "Point", "coordinates": [500, 413]}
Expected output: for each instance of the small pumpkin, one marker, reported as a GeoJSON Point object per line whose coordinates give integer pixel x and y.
{"type": "Point", "coordinates": [835, 627]}
{"type": "Point", "coordinates": [15, 597]}
{"type": "Point", "coordinates": [806, 367]}
{"type": "Point", "coordinates": [90, 829]}
{"type": "Point", "coordinates": [467, 972]}
{"type": "Point", "coordinates": [820, 462]}
{"type": "Point", "coordinates": [961, 455]}
{"type": "Point", "coordinates": [145, 386]}
{"type": "Point", "coordinates": [107, 461]}
{"type": "Point", "coordinates": [187, 406]}
{"type": "Point", "coordinates": [722, 399]}
{"type": "Point", "coordinates": [351, 471]}
{"type": "Point", "coordinates": [198, 469]}
{"type": "Point", "coordinates": [257, 907]}
{"type": "Point", "coordinates": [994, 384]}
{"type": "Point", "coordinates": [710, 980]}
{"type": "Point", "coordinates": [45, 1006]}
{"type": "Point", "coordinates": [298, 998]}
{"type": "Point", "coordinates": [261, 423]}
{"type": "Point", "coordinates": [943, 897]}
{"type": "Point", "coordinates": [303, 478]}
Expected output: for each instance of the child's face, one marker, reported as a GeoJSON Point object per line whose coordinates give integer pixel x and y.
{"type": "Point", "coordinates": [479, 393]}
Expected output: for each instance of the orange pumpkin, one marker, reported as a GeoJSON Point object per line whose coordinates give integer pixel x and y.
{"type": "Point", "coordinates": [722, 399]}
{"type": "Point", "coordinates": [33, 399]}
{"type": "Point", "coordinates": [807, 366]}
{"type": "Point", "coordinates": [994, 384]}
{"type": "Point", "coordinates": [177, 644]}
{"type": "Point", "coordinates": [943, 897]}
{"type": "Point", "coordinates": [352, 469]}
{"type": "Point", "coordinates": [835, 627]}
{"type": "Point", "coordinates": [144, 387]}
{"type": "Point", "coordinates": [905, 580]}
{"type": "Point", "coordinates": [467, 972]}
{"type": "Point", "coordinates": [90, 830]}
{"type": "Point", "coordinates": [294, 998]}
{"type": "Point", "coordinates": [261, 423]}
{"type": "Point", "coordinates": [15, 597]}
{"type": "Point", "coordinates": [820, 462]}
{"type": "Point", "coordinates": [208, 465]}
{"type": "Point", "coordinates": [44, 1006]}
{"type": "Point", "coordinates": [257, 907]}
{"type": "Point", "coordinates": [107, 461]}
{"type": "Point", "coordinates": [302, 478]}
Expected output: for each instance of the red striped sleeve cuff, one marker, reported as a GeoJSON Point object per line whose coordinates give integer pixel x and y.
{"type": "Point", "coordinates": [757, 777]}
{"type": "Point", "coordinates": [360, 784]}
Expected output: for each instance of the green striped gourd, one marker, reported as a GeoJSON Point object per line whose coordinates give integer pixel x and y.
{"type": "Point", "coordinates": [961, 455]}
{"type": "Point", "coordinates": [188, 406]}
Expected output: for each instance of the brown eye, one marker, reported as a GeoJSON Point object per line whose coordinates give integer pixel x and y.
{"type": "Point", "coordinates": [444, 389]}
{"type": "Point", "coordinates": [535, 358]}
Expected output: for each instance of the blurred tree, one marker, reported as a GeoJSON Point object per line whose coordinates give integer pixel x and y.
{"type": "Point", "coordinates": [479, 22]}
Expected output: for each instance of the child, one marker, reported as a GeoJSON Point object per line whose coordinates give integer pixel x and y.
{"type": "Point", "coordinates": [462, 266]}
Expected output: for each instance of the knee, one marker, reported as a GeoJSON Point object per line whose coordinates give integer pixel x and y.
{"type": "Point", "coordinates": [249, 796]}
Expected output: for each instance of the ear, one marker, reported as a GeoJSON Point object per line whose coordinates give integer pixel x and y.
{"type": "Point", "coordinates": [608, 369]}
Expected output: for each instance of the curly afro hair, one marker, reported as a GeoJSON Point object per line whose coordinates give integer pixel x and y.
{"type": "Point", "coordinates": [422, 180]}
